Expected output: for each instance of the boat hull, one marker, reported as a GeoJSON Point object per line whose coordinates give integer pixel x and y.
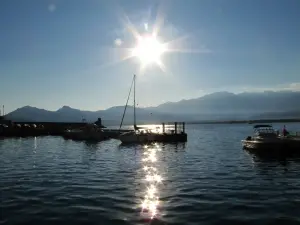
{"type": "Point", "coordinates": [146, 138]}
{"type": "Point", "coordinates": [277, 145]}
{"type": "Point", "coordinates": [262, 144]}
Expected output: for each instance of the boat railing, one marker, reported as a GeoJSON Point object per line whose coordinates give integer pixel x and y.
{"type": "Point", "coordinates": [264, 130]}
{"type": "Point", "coordinates": [173, 128]}
{"type": "Point", "coordinates": [167, 128]}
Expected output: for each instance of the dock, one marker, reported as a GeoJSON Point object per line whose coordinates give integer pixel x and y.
{"type": "Point", "coordinates": [173, 132]}
{"type": "Point", "coordinates": [27, 129]}
{"type": "Point", "coordinates": [10, 128]}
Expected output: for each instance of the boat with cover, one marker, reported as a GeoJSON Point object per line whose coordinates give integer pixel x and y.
{"type": "Point", "coordinates": [265, 137]}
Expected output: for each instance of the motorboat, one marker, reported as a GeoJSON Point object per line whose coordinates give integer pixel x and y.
{"type": "Point", "coordinates": [90, 132]}
{"type": "Point", "coordinates": [264, 137]}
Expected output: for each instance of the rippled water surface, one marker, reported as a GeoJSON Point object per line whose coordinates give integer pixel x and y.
{"type": "Point", "coordinates": [208, 180]}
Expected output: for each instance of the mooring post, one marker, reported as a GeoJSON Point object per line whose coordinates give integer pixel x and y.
{"type": "Point", "coordinates": [175, 127]}
{"type": "Point", "coordinates": [163, 128]}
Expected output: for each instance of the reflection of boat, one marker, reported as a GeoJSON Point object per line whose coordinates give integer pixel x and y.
{"type": "Point", "coordinates": [140, 135]}
{"type": "Point", "coordinates": [265, 137]}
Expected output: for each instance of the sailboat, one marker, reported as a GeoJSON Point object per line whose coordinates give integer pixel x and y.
{"type": "Point", "coordinates": [138, 135]}
{"type": "Point", "coordinates": [174, 132]}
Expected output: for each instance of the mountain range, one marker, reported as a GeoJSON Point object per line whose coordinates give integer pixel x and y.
{"type": "Point", "coordinates": [215, 106]}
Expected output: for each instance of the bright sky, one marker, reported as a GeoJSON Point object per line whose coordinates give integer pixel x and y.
{"type": "Point", "coordinates": [69, 52]}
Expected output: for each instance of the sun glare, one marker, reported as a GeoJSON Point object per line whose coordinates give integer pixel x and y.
{"type": "Point", "coordinates": [149, 50]}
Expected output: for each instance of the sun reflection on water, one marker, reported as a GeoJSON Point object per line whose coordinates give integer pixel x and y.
{"type": "Point", "coordinates": [150, 202]}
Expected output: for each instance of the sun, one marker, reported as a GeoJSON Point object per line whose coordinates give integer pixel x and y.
{"type": "Point", "coordinates": [149, 50]}
{"type": "Point", "coordinates": [146, 45]}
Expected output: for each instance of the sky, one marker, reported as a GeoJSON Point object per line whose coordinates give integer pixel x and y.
{"type": "Point", "coordinates": [69, 52]}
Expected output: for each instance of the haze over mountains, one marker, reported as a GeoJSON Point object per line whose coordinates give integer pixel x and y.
{"type": "Point", "coordinates": [216, 106]}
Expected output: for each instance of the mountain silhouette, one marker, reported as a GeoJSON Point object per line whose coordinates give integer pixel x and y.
{"type": "Point", "coordinates": [215, 106]}
{"type": "Point", "coordinates": [229, 103]}
{"type": "Point", "coordinates": [111, 116]}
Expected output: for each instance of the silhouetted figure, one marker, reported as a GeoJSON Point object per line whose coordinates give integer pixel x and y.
{"type": "Point", "coordinates": [284, 131]}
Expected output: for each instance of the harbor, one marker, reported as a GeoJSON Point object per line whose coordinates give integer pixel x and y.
{"type": "Point", "coordinates": [150, 112]}
{"type": "Point", "coordinates": [167, 132]}
{"type": "Point", "coordinates": [106, 179]}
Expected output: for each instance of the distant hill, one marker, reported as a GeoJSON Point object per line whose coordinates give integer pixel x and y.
{"type": "Point", "coordinates": [216, 106]}
{"type": "Point", "coordinates": [278, 115]}
{"type": "Point", "coordinates": [229, 103]}
{"type": "Point", "coordinates": [111, 116]}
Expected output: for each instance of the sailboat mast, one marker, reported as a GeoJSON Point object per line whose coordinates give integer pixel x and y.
{"type": "Point", "coordinates": [134, 77]}
{"type": "Point", "coordinates": [132, 83]}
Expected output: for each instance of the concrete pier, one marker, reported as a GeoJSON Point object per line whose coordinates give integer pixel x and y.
{"type": "Point", "coordinates": [27, 129]}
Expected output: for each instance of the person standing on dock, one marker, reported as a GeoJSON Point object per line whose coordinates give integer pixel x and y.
{"type": "Point", "coordinates": [284, 131]}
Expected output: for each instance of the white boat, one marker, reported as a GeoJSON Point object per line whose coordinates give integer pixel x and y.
{"type": "Point", "coordinates": [140, 135]}
{"type": "Point", "coordinates": [265, 137]}
{"type": "Point", "coordinates": [137, 136]}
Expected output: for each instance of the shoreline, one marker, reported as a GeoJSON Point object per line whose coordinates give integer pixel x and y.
{"type": "Point", "coordinates": [247, 121]}
{"type": "Point", "coordinates": [79, 124]}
